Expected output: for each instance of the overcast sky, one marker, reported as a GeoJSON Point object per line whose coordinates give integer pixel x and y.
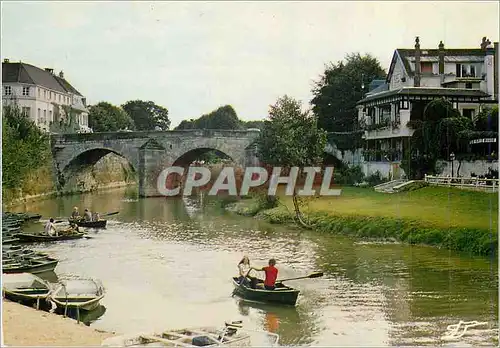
{"type": "Point", "coordinates": [193, 57]}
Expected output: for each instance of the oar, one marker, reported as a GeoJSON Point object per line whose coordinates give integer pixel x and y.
{"type": "Point", "coordinates": [113, 213]}
{"type": "Point", "coordinates": [312, 275]}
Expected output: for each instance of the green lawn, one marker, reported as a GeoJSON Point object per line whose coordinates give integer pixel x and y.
{"type": "Point", "coordinates": [433, 206]}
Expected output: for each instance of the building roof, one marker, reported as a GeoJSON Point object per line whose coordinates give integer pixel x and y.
{"type": "Point", "coordinates": [381, 88]}
{"type": "Point", "coordinates": [426, 91]}
{"type": "Point", "coordinates": [67, 86]}
{"type": "Point", "coordinates": [30, 74]}
{"type": "Point", "coordinates": [458, 54]}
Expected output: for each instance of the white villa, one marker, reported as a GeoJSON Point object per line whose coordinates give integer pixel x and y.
{"type": "Point", "coordinates": [41, 95]}
{"type": "Point", "coordinates": [466, 77]}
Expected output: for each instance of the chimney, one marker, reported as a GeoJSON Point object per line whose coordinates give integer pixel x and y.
{"type": "Point", "coordinates": [485, 43]}
{"type": "Point", "coordinates": [489, 65]}
{"type": "Point", "coordinates": [416, 80]}
{"type": "Point", "coordinates": [6, 60]}
{"type": "Point", "coordinates": [441, 58]}
{"type": "Point", "coordinates": [61, 74]}
{"type": "Point", "coordinates": [49, 70]}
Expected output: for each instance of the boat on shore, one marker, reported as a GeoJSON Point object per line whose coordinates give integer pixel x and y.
{"type": "Point", "coordinates": [28, 265]}
{"type": "Point", "coordinates": [232, 335]}
{"type": "Point", "coordinates": [27, 289]}
{"type": "Point", "coordinates": [90, 224]}
{"type": "Point", "coordinates": [81, 294]}
{"type": "Point", "coordinates": [282, 294]}
{"type": "Point", "coordinates": [37, 238]}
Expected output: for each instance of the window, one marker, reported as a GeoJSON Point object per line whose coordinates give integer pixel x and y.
{"type": "Point", "coordinates": [39, 116]}
{"type": "Point", "coordinates": [26, 111]}
{"type": "Point", "coordinates": [7, 90]}
{"type": "Point", "coordinates": [404, 105]}
{"type": "Point", "coordinates": [466, 70]}
{"type": "Point", "coordinates": [50, 116]}
{"type": "Point", "coordinates": [469, 113]}
{"type": "Point", "coordinates": [59, 98]}
{"type": "Point", "coordinates": [26, 91]}
{"type": "Point", "coordinates": [468, 85]}
{"type": "Point", "coordinates": [426, 67]}
{"type": "Point", "coordinates": [44, 94]}
{"type": "Point", "coordinates": [44, 116]}
{"type": "Point", "coordinates": [39, 93]}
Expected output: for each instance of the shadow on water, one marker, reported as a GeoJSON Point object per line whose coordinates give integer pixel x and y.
{"type": "Point", "coordinates": [49, 276]}
{"type": "Point", "coordinates": [86, 317]}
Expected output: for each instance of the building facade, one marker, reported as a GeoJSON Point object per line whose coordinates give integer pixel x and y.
{"type": "Point", "coordinates": [46, 98]}
{"type": "Point", "coordinates": [468, 78]}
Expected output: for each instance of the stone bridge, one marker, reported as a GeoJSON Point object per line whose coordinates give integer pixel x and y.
{"type": "Point", "coordinates": [151, 152]}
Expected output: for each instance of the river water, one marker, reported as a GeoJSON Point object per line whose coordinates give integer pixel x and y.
{"type": "Point", "coordinates": [167, 263]}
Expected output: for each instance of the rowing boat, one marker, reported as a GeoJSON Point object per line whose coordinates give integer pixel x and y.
{"type": "Point", "coordinates": [231, 335]}
{"type": "Point", "coordinates": [90, 224]}
{"type": "Point", "coordinates": [33, 266]}
{"type": "Point", "coordinates": [83, 294]}
{"type": "Point", "coordinates": [282, 294]}
{"type": "Point", "coordinates": [26, 288]}
{"type": "Point", "coordinates": [36, 238]}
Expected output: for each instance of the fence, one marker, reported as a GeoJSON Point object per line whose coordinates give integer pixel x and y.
{"type": "Point", "coordinates": [490, 185]}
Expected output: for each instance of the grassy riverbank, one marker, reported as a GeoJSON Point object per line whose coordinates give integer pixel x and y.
{"type": "Point", "coordinates": [445, 217]}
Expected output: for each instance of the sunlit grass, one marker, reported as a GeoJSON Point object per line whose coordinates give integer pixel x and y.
{"type": "Point", "coordinates": [431, 206]}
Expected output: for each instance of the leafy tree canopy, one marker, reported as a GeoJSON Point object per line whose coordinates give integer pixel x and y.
{"type": "Point", "coordinates": [290, 137]}
{"type": "Point", "coordinates": [147, 115]}
{"type": "Point", "coordinates": [105, 117]}
{"type": "Point", "coordinates": [223, 117]}
{"type": "Point", "coordinates": [340, 88]}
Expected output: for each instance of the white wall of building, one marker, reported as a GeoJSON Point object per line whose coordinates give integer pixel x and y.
{"type": "Point", "coordinates": [477, 167]}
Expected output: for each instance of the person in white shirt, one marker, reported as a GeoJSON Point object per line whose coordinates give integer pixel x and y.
{"type": "Point", "coordinates": [244, 269]}
{"type": "Point", "coordinates": [49, 228]}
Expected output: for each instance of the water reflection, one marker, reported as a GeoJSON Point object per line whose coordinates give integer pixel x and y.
{"type": "Point", "coordinates": [180, 255]}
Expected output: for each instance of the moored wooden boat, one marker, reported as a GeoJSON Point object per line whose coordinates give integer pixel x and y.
{"type": "Point", "coordinates": [282, 294]}
{"type": "Point", "coordinates": [232, 335]}
{"type": "Point", "coordinates": [36, 238]}
{"type": "Point", "coordinates": [82, 294]}
{"type": "Point", "coordinates": [26, 288]}
{"type": "Point", "coordinates": [90, 224]}
{"type": "Point", "coordinates": [33, 266]}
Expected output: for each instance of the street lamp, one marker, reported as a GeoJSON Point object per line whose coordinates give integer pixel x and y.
{"type": "Point", "coordinates": [452, 158]}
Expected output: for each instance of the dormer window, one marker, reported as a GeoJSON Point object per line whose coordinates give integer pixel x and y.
{"type": "Point", "coordinates": [465, 70]}
{"type": "Point", "coordinates": [426, 67]}
{"type": "Point", "coordinates": [26, 91]}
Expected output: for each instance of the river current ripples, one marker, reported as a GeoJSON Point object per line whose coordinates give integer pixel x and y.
{"type": "Point", "coordinates": [168, 264]}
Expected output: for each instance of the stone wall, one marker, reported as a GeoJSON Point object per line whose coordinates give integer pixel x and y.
{"type": "Point", "coordinates": [466, 168]}
{"type": "Point", "coordinates": [110, 171]}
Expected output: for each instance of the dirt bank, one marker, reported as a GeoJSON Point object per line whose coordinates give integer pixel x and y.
{"type": "Point", "coordinates": [24, 326]}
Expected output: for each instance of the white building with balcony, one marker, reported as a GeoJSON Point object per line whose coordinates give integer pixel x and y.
{"type": "Point", "coordinates": [466, 77]}
{"type": "Point", "coordinates": [42, 96]}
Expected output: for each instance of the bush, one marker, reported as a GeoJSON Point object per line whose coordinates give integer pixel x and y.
{"type": "Point", "coordinates": [375, 179]}
{"type": "Point", "coordinates": [25, 148]}
{"type": "Point", "coordinates": [348, 175]}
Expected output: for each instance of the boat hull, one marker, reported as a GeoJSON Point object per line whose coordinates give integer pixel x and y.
{"type": "Point", "coordinates": [283, 296]}
{"type": "Point", "coordinates": [41, 301]}
{"type": "Point", "coordinates": [90, 224]}
{"type": "Point", "coordinates": [72, 304]}
{"type": "Point", "coordinates": [33, 238]}
{"type": "Point", "coordinates": [34, 268]}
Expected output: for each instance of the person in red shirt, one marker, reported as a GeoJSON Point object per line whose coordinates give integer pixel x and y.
{"type": "Point", "coordinates": [271, 274]}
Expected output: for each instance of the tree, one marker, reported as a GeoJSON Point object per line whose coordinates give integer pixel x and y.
{"type": "Point", "coordinates": [105, 117]}
{"type": "Point", "coordinates": [147, 115]}
{"type": "Point", "coordinates": [340, 88]}
{"type": "Point", "coordinates": [442, 131]}
{"type": "Point", "coordinates": [291, 138]}
{"type": "Point", "coordinates": [223, 117]}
